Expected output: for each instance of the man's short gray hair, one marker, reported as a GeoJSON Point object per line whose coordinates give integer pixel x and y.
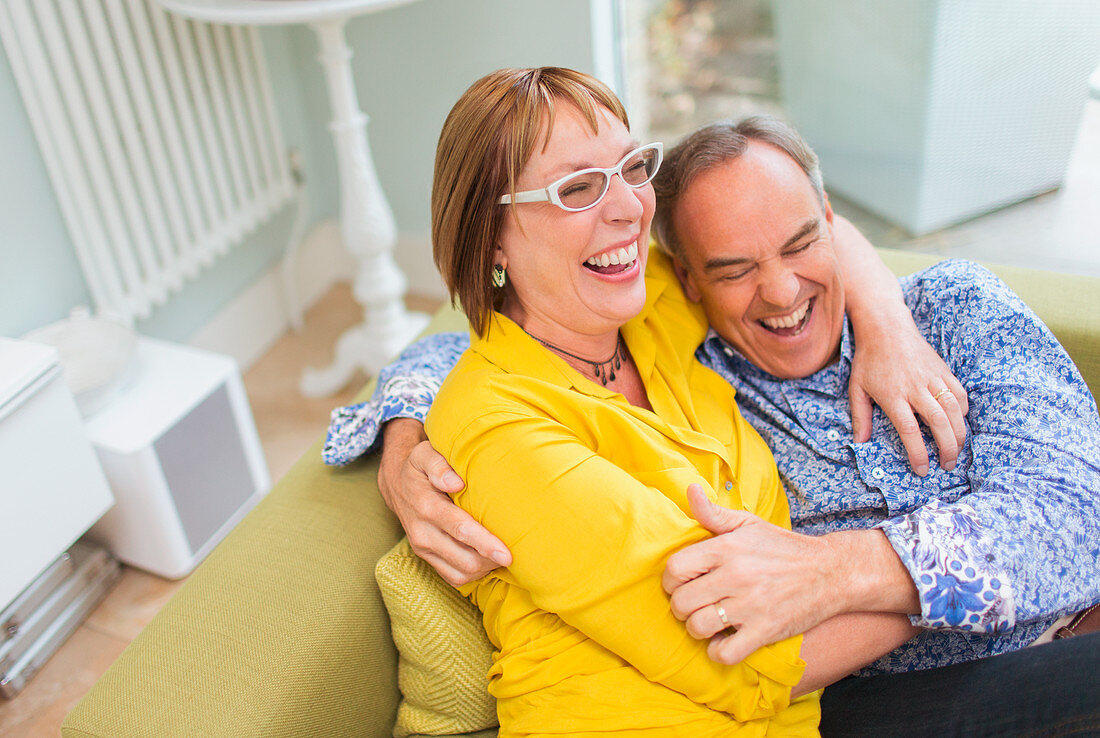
{"type": "Point", "coordinates": [716, 144]}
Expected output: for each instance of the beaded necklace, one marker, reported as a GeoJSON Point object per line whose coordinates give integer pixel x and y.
{"type": "Point", "coordinates": [603, 370]}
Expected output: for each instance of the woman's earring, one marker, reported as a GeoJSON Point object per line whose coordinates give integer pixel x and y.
{"type": "Point", "coordinates": [499, 276]}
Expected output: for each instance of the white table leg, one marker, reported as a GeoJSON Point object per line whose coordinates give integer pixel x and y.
{"type": "Point", "coordinates": [367, 224]}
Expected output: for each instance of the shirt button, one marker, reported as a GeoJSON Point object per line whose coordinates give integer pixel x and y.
{"type": "Point", "coordinates": [729, 486]}
{"type": "Point", "coordinates": [878, 473]}
{"type": "Point", "coordinates": [728, 350]}
{"type": "Point", "coordinates": [833, 435]}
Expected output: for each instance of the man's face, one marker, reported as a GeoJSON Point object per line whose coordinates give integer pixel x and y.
{"type": "Point", "coordinates": [759, 258]}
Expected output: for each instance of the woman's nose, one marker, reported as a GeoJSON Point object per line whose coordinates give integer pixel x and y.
{"type": "Point", "coordinates": [622, 202]}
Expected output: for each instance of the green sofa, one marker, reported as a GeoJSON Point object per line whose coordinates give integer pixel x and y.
{"type": "Point", "coordinates": [282, 632]}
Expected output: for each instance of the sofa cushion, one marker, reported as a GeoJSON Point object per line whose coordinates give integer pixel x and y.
{"type": "Point", "coordinates": [444, 655]}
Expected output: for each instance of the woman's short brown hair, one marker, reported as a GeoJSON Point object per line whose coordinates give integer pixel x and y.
{"type": "Point", "coordinates": [489, 135]}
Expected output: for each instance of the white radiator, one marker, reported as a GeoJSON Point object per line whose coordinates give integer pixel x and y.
{"type": "Point", "coordinates": [159, 135]}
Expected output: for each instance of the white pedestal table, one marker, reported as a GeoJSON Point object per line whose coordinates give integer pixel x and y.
{"type": "Point", "coordinates": [366, 219]}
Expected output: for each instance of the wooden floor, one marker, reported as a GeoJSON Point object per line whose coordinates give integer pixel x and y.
{"type": "Point", "coordinates": [288, 424]}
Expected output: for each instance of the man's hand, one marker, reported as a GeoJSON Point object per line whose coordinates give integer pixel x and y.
{"type": "Point", "coordinates": [907, 378]}
{"type": "Point", "coordinates": [773, 583]}
{"type": "Point", "coordinates": [416, 481]}
{"type": "Point", "coordinates": [894, 366]}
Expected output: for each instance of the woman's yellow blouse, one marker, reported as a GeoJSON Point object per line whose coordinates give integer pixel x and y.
{"type": "Point", "coordinates": [589, 493]}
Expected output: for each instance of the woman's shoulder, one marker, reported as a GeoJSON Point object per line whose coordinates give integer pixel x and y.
{"type": "Point", "coordinates": [477, 390]}
{"type": "Point", "coordinates": [469, 382]}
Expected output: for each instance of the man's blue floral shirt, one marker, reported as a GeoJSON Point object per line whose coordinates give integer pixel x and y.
{"type": "Point", "coordinates": [999, 547]}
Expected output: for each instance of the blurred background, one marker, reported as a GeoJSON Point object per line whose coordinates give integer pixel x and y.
{"type": "Point", "coordinates": [963, 128]}
{"type": "Point", "coordinates": [901, 98]}
{"type": "Point", "coordinates": [957, 127]}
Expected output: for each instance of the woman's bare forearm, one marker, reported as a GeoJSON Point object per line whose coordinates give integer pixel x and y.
{"type": "Point", "coordinates": [848, 642]}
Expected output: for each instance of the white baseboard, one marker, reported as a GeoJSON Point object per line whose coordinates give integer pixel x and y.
{"type": "Point", "coordinates": [257, 317]}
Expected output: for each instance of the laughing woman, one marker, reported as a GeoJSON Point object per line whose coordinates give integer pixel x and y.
{"type": "Point", "coordinates": [578, 419]}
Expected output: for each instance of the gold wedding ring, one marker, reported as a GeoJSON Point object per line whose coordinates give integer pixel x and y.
{"type": "Point", "coordinates": [940, 394]}
{"type": "Point", "coordinates": [722, 614]}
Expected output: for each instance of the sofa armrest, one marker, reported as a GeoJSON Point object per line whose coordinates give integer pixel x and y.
{"type": "Point", "coordinates": [280, 632]}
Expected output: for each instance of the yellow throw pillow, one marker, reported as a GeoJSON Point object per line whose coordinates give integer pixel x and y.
{"type": "Point", "coordinates": [444, 654]}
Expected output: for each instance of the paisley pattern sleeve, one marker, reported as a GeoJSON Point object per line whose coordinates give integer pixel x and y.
{"type": "Point", "coordinates": [405, 389]}
{"type": "Point", "coordinates": [951, 560]}
{"type": "Point", "coordinates": [1022, 543]}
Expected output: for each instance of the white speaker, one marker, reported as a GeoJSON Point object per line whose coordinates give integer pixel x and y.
{"type": "Point", "coordinates": [182, 456]}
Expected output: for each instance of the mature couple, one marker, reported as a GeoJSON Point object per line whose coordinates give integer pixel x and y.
{"type": "Point", "coordinates": [594, 424]}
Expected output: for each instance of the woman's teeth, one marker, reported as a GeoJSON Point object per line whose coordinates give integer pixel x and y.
{"type": "Point", "coordinates": [624, 256]}
{"type": "Point", "coordinates": [787, 321]}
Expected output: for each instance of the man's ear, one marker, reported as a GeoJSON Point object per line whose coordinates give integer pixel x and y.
{"type": "Point", "coordinates": [686, 280]}
{"type": "Point", "coordinates": [828, 209]}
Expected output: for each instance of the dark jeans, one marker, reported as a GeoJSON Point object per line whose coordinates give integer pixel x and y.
{"type": "Point", "coordinates": [1048, 690]}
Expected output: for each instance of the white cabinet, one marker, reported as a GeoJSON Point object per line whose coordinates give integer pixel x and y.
{"type": "Point", "coordinates": [51, 485]}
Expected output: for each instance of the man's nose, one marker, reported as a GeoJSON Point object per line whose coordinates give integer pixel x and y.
{"type": "Point", "coordinates": [778, 284]}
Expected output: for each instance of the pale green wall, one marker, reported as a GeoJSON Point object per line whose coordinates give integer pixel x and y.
{"type": "Point", "coordinates": [881, 79]}
{"type": "Point", "coordinates": [411, 63]}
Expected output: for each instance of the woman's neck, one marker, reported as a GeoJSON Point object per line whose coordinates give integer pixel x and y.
{"type": "Point", "coordinates": [577, 348]}
{"type": "Point", "coordinates": [606, 359]}
{"type": "Point", "coordinates": [605, 371]}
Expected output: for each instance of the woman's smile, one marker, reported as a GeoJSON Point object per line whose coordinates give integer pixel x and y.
{"type": "Point", "coordinates": [616, 261]}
